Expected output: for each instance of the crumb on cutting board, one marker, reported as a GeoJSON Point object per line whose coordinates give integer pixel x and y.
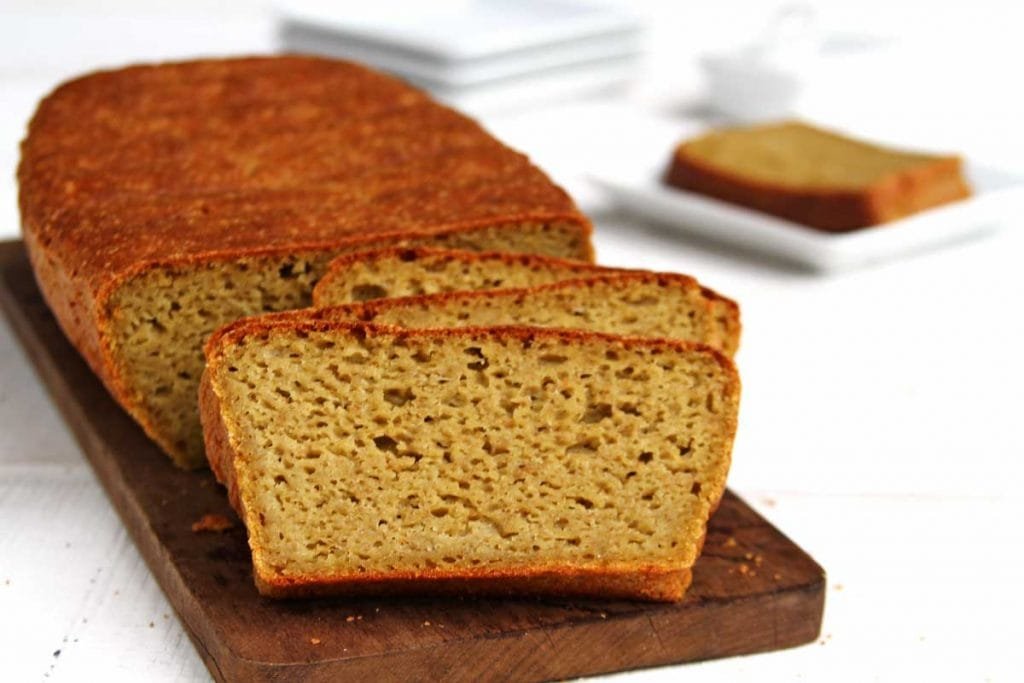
{"type": "Point", "coordinates": [212, 522]}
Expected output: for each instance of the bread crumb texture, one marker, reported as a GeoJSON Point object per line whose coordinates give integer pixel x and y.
{"type": "Point", "coordinates": [362, 452]}
{"type": "Point", "coordinates": [400, 272]}
{"type": "Point", "coordinates": [799, 155]}
{"type": "Point", "coordinates": [160, 319]}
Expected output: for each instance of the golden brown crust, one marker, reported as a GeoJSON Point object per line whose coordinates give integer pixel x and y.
{"type": "Point", "coordinates": [652, 583]}
{"type": "Point", "coordinates": [133, 192]}
{"type": "Point", "coordinates": [220, 452]}
{"type": "Point", "coordinates": [829, 209]}
{"type": "Point", "coordinates": [73, 309]}
{"type": "Point", "coordinates": [628, 580]}
{"type": "Point", "coordinates": [188, 164]}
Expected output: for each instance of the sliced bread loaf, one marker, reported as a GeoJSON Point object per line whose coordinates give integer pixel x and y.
{"type": "Point", "coordinates": [412, 271]}
{"type": "Point", "coordinates": [628, 303]}
{"type": "Point", "coordinates": [369, 459]}
{"type": "Point", "coordinates": [159, 202]}
{"type": "Point", "coordinates": [813, 176]}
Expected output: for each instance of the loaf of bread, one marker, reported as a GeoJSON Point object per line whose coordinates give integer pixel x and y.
{"type": "Point", "coordinates": [815, 177]}
{"type": "Point", "coordinates": [160, 202]}
{"type": "Point", "coordinates": [368, 459]}
{"type": "Point", "coordinates": [412, 271]}
{"type": "Point", "coordinates": [632, 303]}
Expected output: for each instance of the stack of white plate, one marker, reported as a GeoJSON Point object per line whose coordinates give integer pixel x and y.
{"type": "Point", "coordinates": [475, 54]}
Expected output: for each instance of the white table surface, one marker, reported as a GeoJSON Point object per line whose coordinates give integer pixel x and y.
{"type": "Point", "coordinates": [880, 425]}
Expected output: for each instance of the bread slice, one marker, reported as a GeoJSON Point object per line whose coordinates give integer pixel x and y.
{"type": "Point", "coordinates": [412, 271]}
{"type": "Point", "coordinates": [625, 302]}
{"type": "Point", "coordinates": [367, 459]}
{"type": "Point", "coordinates": [160, 202]}
{"type": "Point", "coordinates": [815, 177]}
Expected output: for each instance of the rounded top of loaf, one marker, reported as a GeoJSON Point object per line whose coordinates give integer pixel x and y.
{"type": "Point", "coordinates": [219, 159]}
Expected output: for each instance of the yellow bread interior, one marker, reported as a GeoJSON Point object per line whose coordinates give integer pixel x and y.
{"type": "Point", "coordinates": [161, 318]}
{"type": "Point", "coordinates": [425, 270]}
{"type": "Point", "coordinates": [797, 155]}
{"type": "Point", "coordinates": [366, 453]}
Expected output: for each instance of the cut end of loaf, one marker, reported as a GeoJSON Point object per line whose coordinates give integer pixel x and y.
{"type": "Point", "coordinates": [366, 459]}
{"type": "Point", "coordinates": [160, 319]}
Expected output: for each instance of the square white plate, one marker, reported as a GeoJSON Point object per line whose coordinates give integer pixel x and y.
{"type": "Point", "coordinates": [996, 193]}
{"type": "Point", "coordinates": [460, 44]}
{"type": "Point", "coordinates": [525, 93]}
{"type": "Point", "coordinates": [300, 37]}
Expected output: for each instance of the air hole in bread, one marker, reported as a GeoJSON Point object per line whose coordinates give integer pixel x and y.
{"type": "Point", "coordinates": [367, 292]}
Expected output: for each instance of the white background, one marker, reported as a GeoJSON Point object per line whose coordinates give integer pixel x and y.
{"type": "Point", "coordinates": [880, 424]}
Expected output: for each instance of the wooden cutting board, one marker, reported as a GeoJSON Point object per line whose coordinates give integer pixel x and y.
{"type": "Point", "coordinates": [753, 590]}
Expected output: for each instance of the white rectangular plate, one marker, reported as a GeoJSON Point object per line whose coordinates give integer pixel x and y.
{"type": "Point", "coordinates": [300, 37]}
{"type": "Point", "coordinates": [462, 43]}
{"type": "Point", "coordinates": [996, 193]}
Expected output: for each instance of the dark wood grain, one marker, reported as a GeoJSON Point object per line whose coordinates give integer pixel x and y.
{"type": "Point", "coordinates": [753, 589]}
